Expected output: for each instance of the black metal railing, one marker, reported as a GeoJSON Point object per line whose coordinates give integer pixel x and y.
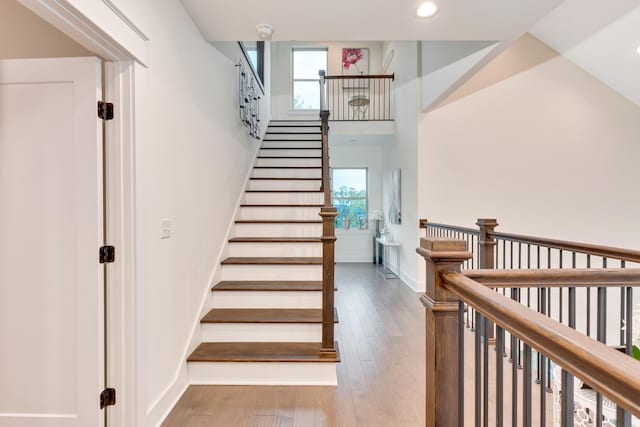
{"type": "Point", "coordinates": [602, 312]}
{"type": "Point", "coordinates": [358, 98]}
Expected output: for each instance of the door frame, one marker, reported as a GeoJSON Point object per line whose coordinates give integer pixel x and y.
{"type": "Point", "coordinates": [101, 27]}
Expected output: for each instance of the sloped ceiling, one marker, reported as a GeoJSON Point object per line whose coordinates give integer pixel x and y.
{"type": "Point", "coordinates": [304, 20]}
{"type": "Point", "coordinates": [600, 37]}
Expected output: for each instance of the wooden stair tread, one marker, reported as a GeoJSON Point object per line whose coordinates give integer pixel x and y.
{"type": "Point", "coordinates": [290, 157]}
{"type": "Point", "coordinates": [287, 167]}
{"type": "Point", "coordinates": [261, 352]}
{"type": "Point", "coordinates": [278, 221]}
{"type": "Point", "coordinates": [260, 285]}
{"type": "Point", "coordinates": [265, 315]}
{"type": "Point", "coordinates": [275, 240]}
{"type": "Point", "coordinates": [284, 191]}
{"type": "Point", "coordinates": [291, 148]}
{"type": "Point", "coordinates": [272, 261]}
{"type": "Point", "coordinates": [286, 205]}
{"type": "Point", "coordinates": [279, 178]}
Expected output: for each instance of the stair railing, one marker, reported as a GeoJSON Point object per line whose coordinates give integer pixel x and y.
{"type": "Point", "coordinates": [328, 213]}
{"type": "Point", "coordinates": [556, 306]}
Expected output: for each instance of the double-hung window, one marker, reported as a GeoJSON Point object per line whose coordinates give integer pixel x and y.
{"type": "Point", "coordinates": [306, 84]}
{"type": "Point", "coordinates": [350, 197]}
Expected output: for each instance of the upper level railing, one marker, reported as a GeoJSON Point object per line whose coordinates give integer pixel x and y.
{"type": "Point", "coordinates": [328, 214]}
{"type": "Point", "coordinates": [359, 98]}
{"type": "Point", "coordinates": [555, 322]}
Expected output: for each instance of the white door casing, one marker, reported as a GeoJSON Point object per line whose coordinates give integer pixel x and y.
{"type": "Point", "coordinates": [51, 226]}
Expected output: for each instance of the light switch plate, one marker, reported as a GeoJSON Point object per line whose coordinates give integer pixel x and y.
{"type": "Point", "coordinates": [165, 225]}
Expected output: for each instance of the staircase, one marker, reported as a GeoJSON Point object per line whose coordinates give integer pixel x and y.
{"type": "Point", "coordinates": [265, 326]}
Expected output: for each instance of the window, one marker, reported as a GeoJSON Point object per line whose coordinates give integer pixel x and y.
{"type": "Point", "coordinates": [254, 53]}
{"type": "Point", "coordinates": [306, 83]}
{"type": "Point", "coordinates": [350, 198]}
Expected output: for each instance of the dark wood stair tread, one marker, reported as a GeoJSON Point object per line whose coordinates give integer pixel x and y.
{"type": "Point", "coordinates": [291, 148]}
{"type": "Point", "coordinates": [279, 178]}
{"type": "Point", "coordinates": [275, 240]}
{"type": "Point", "coordinates": [284, 191]}
{"type": "Point", "coordinates": [287, 167]}
{"type": "Point", "coordinates": [290, 157]}
{"type": "Point", "coordinates": [285, 205]}
{"type": "Point", "coordinates": [261, 352]}
{"type": "Point", "coordinates": [272, 261]}
{"type": "Point", "coordinates": [278, 221]}
{"type": "Point", "coordinates": [265, 315]}
{"type": "Point", "coordinates": [261, 285]}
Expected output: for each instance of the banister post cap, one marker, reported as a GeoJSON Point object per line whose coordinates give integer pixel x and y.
{"type": "Point", "coordinates": [444, 250]}
{"type": "Point", "coordinates": [487, 222]}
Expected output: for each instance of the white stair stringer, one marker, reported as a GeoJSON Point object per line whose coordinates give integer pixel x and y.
{"type": "Point", "coordinates": [263, 373]}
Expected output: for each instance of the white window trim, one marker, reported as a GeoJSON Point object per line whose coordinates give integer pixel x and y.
{"type": "Point", "coordinates": [294, 80]}
{"type": "Point", "coordinates": [366, 199]}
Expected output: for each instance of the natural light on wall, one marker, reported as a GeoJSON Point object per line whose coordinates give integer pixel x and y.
{"type": "Point", "coordinates": [350, 198]}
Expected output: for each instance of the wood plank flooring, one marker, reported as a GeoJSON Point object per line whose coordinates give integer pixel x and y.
{"type": "Point", "coordinates": [381, 375]}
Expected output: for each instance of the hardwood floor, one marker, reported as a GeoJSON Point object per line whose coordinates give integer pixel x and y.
{"type": "Point", "coordinates": [380, 376]}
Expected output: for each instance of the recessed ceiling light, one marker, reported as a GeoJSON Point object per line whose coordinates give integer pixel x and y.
{"type": "Point", "coordinates": [427, 10]}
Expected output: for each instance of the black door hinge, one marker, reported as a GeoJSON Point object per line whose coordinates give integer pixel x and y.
{"type": "Point", "coordinates": [107, 254]}
{"type": "Point", "coordinates": [107, 397]}
{"type": "Point", "coordinates": [105, 110]}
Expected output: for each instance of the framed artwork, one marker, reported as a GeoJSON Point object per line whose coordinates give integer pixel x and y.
{"type": "Point", "coordinates": [395, 211]}
{"type": "Point", "coordinates": [355, 62]}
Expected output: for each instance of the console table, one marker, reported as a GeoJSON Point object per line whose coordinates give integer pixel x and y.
{"type": "Point", "coordinates": [387, 245]}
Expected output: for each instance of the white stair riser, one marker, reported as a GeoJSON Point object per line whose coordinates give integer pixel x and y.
{"type": "Point", "coordinates": [267, 299]}
{"type": "Point", "coordinates": [275, 249]}
{"type": "Point", "coordinates": [290, 153]}
{"type": "Point", "coordinates": [294, 129]}
{"type": "Point", "coordinates": [279, 213]}
{"type": "Point", "coordinates": [291, 144]}
{"type": "Point", "coordinates": [276, 184]}
{"type": "Point", "coordinates": [283, 198]}
{"type": "Point", "coordinates": [293, 137]}
{"type": "Point", "coordinates": [288, 162]}
{"type": "Point", "coordinates": [294, 123]}
{"type": "Point", "coordinates": [263, 373]}
{"type": "Point", "coordinates": [278, 230]}
{"type": "Point", "coordinates": [271, 272]}
{"type": "Point", "coordinates": [287, 173]}
{"type": "Point", "coordinates": [261, 332]}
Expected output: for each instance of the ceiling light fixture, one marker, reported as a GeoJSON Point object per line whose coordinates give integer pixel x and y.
{"type": "Point", "coordinates": [427, 10]}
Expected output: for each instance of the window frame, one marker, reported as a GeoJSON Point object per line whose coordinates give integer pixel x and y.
{"type": "Point", "coordinates": [294, 80]}
{"type": "Point", "coordinates": [366, 199]}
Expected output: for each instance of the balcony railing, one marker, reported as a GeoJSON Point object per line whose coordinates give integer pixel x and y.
{"type": "Point", "coordinates": [556, 312]}
{"type": "Point", "coordinates": [358, 98]}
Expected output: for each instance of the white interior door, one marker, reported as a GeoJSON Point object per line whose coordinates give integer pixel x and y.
{"type": "Point", "coordinates": [51, 226]}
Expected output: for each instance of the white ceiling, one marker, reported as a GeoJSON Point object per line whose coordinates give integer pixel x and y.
{"type": "Point", "coordinates": [330, 20]}
{"type": "Point", "coordinates": [601, 37]}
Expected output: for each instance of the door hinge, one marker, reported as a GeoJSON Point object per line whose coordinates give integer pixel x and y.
{"type": "Point", "coordinates": [107, 254]}
{"type": "Point", "coordinates": [105, 110]}
{"type": "Point", "coordinates": [107, 397]}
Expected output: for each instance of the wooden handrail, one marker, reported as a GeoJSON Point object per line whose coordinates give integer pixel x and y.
{"type": "Point", "coordinates": [328, 214]}
{"type": "Point", "coordinates": [363, 76]}
{"type": "Point", "coordinates": [585, 248]}
{"type": "Point", "coordinates": [555, 278]}
{"type": "Point", "coordinates": [424, 224]}
{"type": "Point", "coordinates": [615, 375]}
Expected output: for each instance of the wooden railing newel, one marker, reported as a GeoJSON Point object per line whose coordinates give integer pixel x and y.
{"type": "Point", "coordinates": [444, 370]}
{"type": "Point", "coordinates": [486, 256]}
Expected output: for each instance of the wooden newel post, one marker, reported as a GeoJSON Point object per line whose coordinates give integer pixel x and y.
{"type": "Point", "coordinates": [445, 401]}
{"type": "Point", "coordinates": [328, 238]}
{"type": "Point", "coordinates": [486, 255]}
{"type": "Point", "coordinates": [486, 243]}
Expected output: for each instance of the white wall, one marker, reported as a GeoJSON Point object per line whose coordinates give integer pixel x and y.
{"type": "Point", "coordinates": [403, 153]}
{"type": "Point", "coordinates": [191, 165]}
{"type": "Point", "coordinates": [23, 34]}
{"type": "Point", "coordinates": [357, 245]}
{"type": "Point", "coordinates": [539, 144]}
{"type": "Point", "coordinates": [282, 98]}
